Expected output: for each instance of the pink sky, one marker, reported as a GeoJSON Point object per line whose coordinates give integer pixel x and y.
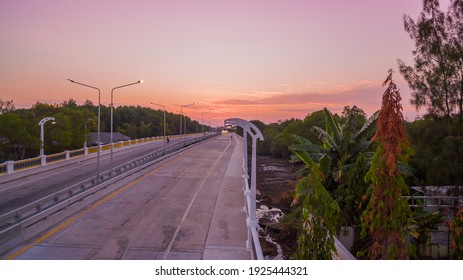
{"type": "Point", "coordinates": [253, 59]}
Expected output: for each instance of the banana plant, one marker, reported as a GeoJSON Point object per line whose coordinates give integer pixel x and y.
{"type": "Point", "coordinates": [340, 144]}
{"type": "Point", "coordinates": [342, 156]}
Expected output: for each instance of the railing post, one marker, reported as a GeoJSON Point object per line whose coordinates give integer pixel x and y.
{"type": "Point", "coordinates": [43, 160]}
{"type": "Point", "coordinates": [245, 150]}
{"type": "Point", "coordinates": [247, 197]}
{"type": "Point", "coordinates": [253, 183]}
{"type": "Point", "coordinates": [9, 167]}
{"type": "Point", "coordinates": [68, 155]}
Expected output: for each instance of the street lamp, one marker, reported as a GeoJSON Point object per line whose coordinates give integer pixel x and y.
{"type": "Point", "coordinates": [98, 144]}
{"type": "Point", "coordinates": [112, 106]}
{"type": "Point", "coordinates": [181, 108]}
{"type": "Point", "coordinates": [164, 124]}
{"type": "Point", "coordinates": [202, 120]}
{"type": "Point", "coordinates": [41, 124]}
{"type": "Point", "coordinates": [211, 118]}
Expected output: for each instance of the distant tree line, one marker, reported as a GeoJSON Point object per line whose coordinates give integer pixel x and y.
{"type": "Point", "coordinates": [20, 133]}
{"type": "Point", "coordinates": [437, 145]}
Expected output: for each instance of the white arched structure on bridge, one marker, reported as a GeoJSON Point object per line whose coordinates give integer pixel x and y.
{"type": "Point", "coordinates": [249, 192]}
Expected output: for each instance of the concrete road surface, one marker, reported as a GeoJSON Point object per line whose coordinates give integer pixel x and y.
{"type": "Point", "coordinates": [190, 206]}
{"type": "Point", "coordinates": [27, 186]}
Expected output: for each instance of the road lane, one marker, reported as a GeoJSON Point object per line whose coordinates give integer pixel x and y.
{"type": "Point", "coordinates": [31, 185]}
{"type": "Point", "coordinates": [165, 214]}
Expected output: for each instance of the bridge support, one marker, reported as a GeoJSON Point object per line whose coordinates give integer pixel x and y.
{"type": "Point", "coordinates": [249, 192]}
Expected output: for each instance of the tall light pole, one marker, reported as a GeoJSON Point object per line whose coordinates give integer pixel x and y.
{"type": "Point", "coordinates": [202, 120]}
{"type": "Point", "coordinates": [98, 144]}
{"type": "Point", "coordinates": [211, 118]}
{"type": "Point", "coordinates": [112, 106]}
{"type": "Point", "coordinates": [41, 124]}
{"type": "Point", "coordinates": [181, 109]}
{"type": "Point", "coordinates": [165, 139]}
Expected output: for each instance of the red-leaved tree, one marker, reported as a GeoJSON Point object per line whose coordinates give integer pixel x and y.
{"type": "Point", "coordinates": [387, 214]}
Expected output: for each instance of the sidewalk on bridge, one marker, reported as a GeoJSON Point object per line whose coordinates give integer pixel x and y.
{"type": "Point", "coordinates": [228, 231]}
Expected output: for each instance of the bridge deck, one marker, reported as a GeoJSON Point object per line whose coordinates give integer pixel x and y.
{"type": "Point", "coordinates": [189, 206]}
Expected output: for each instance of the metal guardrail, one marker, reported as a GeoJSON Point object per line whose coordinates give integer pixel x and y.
{"type": "Point", "coordinates": [250, 193]}
{"type": "Point", "coordinates": [438, 245]}
{"type": "Point", "coordinates": [252, 230]}
{"type": "Point", "coordinates": [434, 202]}
{"type": "Point", "coordinates": [46, 206]}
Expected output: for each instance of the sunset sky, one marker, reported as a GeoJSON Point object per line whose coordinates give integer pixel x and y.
{"type": "Point", "coordinates": [252, 59]}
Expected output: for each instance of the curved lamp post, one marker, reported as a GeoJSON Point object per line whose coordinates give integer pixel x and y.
{"type": "Point", "coordinates": [112, 106]}
{"type": "Point", "coordinates": [98, 144]}
{"type": "Point", "coordinates": [250, 193]}
{"type": "Point", "coordinates": [164, 124]}
{"type": "Point", "coordinates": [41, 124]}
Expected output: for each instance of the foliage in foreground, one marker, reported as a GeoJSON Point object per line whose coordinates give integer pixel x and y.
{"type": "Point", "coordinates": [456, 227]}
{"type": "Point", "coordinates": [387, 215]}
{"type": "Point", "coordinates": [319, 215]}
{"type": "Point", "coordinates": [342, 149]}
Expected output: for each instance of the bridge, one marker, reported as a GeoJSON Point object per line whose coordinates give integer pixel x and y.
{"type": "Point", "coordinates": [193, 199]}
{"type": "Point", "coordinates": [186, 206]}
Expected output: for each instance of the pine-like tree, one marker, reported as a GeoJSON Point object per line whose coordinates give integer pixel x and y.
{"type": "Point", "coordinates": [436, 78]}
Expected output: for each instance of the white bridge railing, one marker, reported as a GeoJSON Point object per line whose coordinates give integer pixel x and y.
{"type": "Point", "coordinates": [250, 191]}
{"type": "Point", "coordinates": [9, 167]}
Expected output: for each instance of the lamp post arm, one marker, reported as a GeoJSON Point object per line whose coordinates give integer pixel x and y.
{"type": "Point", "coordinates": [112, 90]}
{"type": "Point", "coordinates": [72, 81]}
{"type": "Point", "coordinates": [137, 82]}
{"type": "Point", "coordinates": [112, 108]}
{"type": "Point", "coordinates": [99, 123]}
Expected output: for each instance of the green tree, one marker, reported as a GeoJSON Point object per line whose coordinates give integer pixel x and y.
{"type": "Point", "coordinates": [319, 214]}
{"type": "Point", "coordinates": [82, 120]}
{"type": "Point", "coordinates": [59, 135]}
{"type": "Point", "coordinates": [339, 144]}
{"type": "Point", "coordinates": [343, 152]}
{"type": "Point", "coordinates": [387, 214]}
{"type": "Point", "coordinates": [16, 141]}
{"type": "Point", "coordinates": [423, 225]}
{"type": "Point", "coordinates": [73, 124]}
{"type": "Point", "coordinates": [438, 161]}
{"type": "Point", "coordinates": [456, 226]}
{"type": "Point", "coordinates": [6, 106]}
{"type": "Point", "coordinates": [436, 78]}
